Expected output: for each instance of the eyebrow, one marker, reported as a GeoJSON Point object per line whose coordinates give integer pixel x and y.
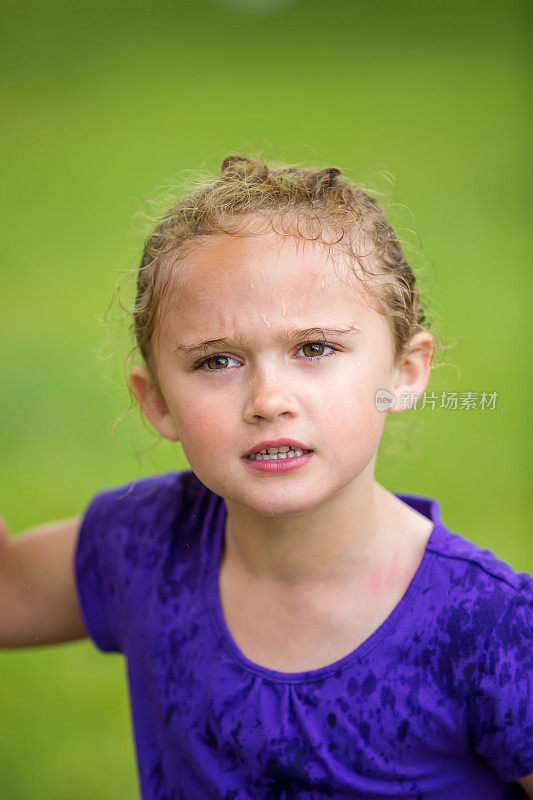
{"type": "Point", "coordinates": [242, 341]}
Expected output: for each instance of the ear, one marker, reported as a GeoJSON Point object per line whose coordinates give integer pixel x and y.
{"type": "Point", "coordinates": [152, 403]}
{"type": "Point", "coordinates": [412, 370]}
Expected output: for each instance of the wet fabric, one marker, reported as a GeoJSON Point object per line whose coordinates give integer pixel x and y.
{"type": "Point", "coordinates": [436, 703]}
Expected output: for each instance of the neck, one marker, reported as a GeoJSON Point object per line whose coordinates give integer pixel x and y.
{"type": "Point", "coordinates": [330, 544]}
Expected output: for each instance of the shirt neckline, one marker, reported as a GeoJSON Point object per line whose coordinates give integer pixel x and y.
{"type": "Point", "coordinates": [427, 506]}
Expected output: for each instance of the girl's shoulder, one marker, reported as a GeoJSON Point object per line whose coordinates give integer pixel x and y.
{"type": "Point", "coordinates": [137, 501]}
{"type": "Point", "coordinates": [481, 565]}
{"type": "Point", "coordinates": [130, 538]}
{"type": "Point", "coordinates": [466, 593]}
{"type": "Point", "coordinates": [458, 556]}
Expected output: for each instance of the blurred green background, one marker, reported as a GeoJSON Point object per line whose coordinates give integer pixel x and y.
{"type": "Point", "coordinates": [103, 103]}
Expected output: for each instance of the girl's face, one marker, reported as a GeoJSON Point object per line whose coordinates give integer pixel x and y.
{"type": "Point", "coordinates": [269, 383]}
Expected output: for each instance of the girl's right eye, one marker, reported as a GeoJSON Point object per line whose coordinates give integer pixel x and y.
{"type": "Point", "coordinates": [199, 364]}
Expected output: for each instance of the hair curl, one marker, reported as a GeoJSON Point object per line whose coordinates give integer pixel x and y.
{"type": "Point", "coordinates": [316, 205]}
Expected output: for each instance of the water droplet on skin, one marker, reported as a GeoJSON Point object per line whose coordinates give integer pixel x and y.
{"type": "Point", "coordinates": [283, 309]}
{"type": "Point", "coordinates": [251, 287]}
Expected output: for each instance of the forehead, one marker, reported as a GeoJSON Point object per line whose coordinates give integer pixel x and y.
{"type": "Point", "coordinates": [233, 283]}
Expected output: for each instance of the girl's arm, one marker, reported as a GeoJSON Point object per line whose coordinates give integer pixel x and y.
{"type": "Point", "coordinates": [527, 784]}
{"type": "Point", "coordinates": [38, 599]}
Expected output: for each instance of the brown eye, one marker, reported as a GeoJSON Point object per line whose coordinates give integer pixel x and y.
{"type": "Point", "coordinates": [312, 348]}
{"type": "Point", "coordinates": [215, 363]}
{"type": "Point", "coordinates": [216, 359]}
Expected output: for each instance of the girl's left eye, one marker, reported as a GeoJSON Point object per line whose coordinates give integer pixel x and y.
{"type": "Point", "coordinates": [315, 357]}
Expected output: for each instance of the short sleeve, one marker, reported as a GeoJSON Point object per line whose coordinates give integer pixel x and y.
{"type": "Point", "coordinates": [97, 573]}
{"type": "Point", "coordinates": [500, 707]}
{"type": "Point", "coordinates": [122, 539]}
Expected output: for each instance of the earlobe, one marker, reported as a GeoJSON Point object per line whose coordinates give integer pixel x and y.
{"type": "Point", "coordinates": [413, 371]}
{"type": "Point", "coordinates": [152, 403]}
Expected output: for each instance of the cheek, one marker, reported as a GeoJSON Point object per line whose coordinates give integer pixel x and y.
{"type": "Point", "coordinates": [205, 422]}
{"type": "Point", "coordinates": [357, 423]}
{"type": "Point", "coordinates": [353, 391]}
{"type": "Point", "coordinates": [351, 412]}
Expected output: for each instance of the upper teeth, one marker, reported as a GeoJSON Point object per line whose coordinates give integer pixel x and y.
{"type": "Point", "coordinates": [283, 449]}
{"type": "Point", "coordinates": [272, 452]}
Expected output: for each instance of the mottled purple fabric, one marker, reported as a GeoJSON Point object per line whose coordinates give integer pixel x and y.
{"type": "Point", "coordinates": [436, 703]}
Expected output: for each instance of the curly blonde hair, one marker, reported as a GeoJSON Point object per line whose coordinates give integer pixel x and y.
{"type": "Point", "coordinates": [313, 204]}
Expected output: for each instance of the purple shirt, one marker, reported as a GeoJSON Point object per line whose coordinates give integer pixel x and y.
{"type": "Point", "coordinates": [435, 704]}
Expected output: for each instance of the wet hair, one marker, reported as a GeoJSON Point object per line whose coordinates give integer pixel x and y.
{"type": "Point", "coordinates": [317, 205]}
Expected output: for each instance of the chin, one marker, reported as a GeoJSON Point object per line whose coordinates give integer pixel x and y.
{"type": "Point", "coordinates": [272, 501]}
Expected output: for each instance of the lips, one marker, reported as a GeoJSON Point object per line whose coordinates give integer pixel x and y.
{"type": "Point", "coordinates": [292, 443]}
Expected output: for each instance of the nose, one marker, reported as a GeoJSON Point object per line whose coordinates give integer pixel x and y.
{"type": "Point", "coordinates": [268, 397]}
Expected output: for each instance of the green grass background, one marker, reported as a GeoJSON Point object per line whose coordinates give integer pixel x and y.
{"type": "Point", "coordinates": [102, 103]}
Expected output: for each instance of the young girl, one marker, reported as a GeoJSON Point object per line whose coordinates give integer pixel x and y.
{"type": "Point", "coordinates": [292, 629]}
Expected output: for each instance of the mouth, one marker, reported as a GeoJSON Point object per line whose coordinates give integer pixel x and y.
{"type": "Point", "coordinates": [278, 450]}
{"type": "Point", "coordinates": [264, 455]}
